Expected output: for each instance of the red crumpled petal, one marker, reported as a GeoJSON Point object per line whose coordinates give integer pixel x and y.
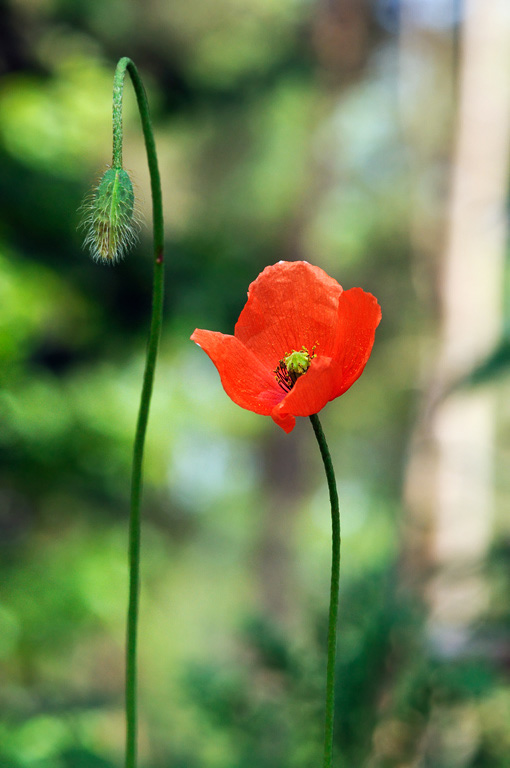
{"type": "Point", "coordinates": [359, 314]}
{"type": "Point", "coordinates": [284, 420]}
{"type": "Point", "coordinates": [290, 305]}
{"type": "Point", "coordinates": [245, 380]}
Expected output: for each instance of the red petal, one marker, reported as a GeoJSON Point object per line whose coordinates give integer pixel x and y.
{"type": "Point", "coordinates": [359, 314]}
{"type": "Point", "coordinates": [284, 420]}
{"type": "Point", "coordinates": [290, 305]}
{"type": "Point", "coordinates": [245, 380]}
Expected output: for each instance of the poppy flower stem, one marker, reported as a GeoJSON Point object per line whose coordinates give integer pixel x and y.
{"type": "Point", "coordinates": [335, 583]}
{"type": "Point", "coordinates": [124, 65]}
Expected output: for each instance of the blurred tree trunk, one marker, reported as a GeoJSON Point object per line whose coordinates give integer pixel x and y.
{"type": "Point", "coordinates": [450, 482]}
{"type": "Point", "coordinates": [449, 486]}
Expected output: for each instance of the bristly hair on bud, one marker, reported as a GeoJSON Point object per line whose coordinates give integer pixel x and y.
{"type": "Point", "coordinates": [110, 220]}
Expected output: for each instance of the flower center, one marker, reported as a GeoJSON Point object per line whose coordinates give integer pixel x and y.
{"type": "Point", "coordinates": [292, 366]}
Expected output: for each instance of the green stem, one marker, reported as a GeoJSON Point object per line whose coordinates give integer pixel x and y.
{"type": "Point", "coordinates": [124, 65]}
{"type": "Point", "coordinates": [335, 583]}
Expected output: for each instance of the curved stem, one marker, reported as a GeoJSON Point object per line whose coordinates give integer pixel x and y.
{"type": "Point", "coordinates": [124, 65]}
{"type": "Point", "coordinates": [335, 583]}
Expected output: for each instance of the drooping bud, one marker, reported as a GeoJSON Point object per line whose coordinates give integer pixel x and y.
{"type": "Point", "coordinates": [111, 223]}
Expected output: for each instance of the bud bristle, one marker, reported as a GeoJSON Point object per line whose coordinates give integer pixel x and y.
{"type": "Point", "coordinates": [110, 218]}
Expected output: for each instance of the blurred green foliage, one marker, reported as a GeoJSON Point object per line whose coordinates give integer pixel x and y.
{"type": "Point", "coordinates": [275, 142]}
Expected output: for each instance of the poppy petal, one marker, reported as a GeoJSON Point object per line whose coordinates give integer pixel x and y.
{"type": "Point", "coordinates": [290, 305]}
{"type": "Point", "coordinates": [284, 420]}
{"type": "Point", "coordinates": [359, 314]}
{"type": "Point", "coordinates": [245, 380]}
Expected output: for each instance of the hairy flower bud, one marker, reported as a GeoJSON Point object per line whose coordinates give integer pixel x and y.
{"type": "Point", "coordinates": [110, 221]}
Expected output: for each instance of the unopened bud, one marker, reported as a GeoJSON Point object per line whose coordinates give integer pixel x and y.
{"type": "Point", "coordinates": [110, 221]}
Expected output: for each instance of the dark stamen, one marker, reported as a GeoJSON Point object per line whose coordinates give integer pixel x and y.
{"type": "Point", "coordinates": [283, 377]}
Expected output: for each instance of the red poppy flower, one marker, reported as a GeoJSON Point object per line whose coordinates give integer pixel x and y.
{"type": "Point", "coordinates": [300, 341]}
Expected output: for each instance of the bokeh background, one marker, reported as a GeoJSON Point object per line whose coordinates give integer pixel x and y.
{"type": "Point", "coordinates": [369, 137]}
